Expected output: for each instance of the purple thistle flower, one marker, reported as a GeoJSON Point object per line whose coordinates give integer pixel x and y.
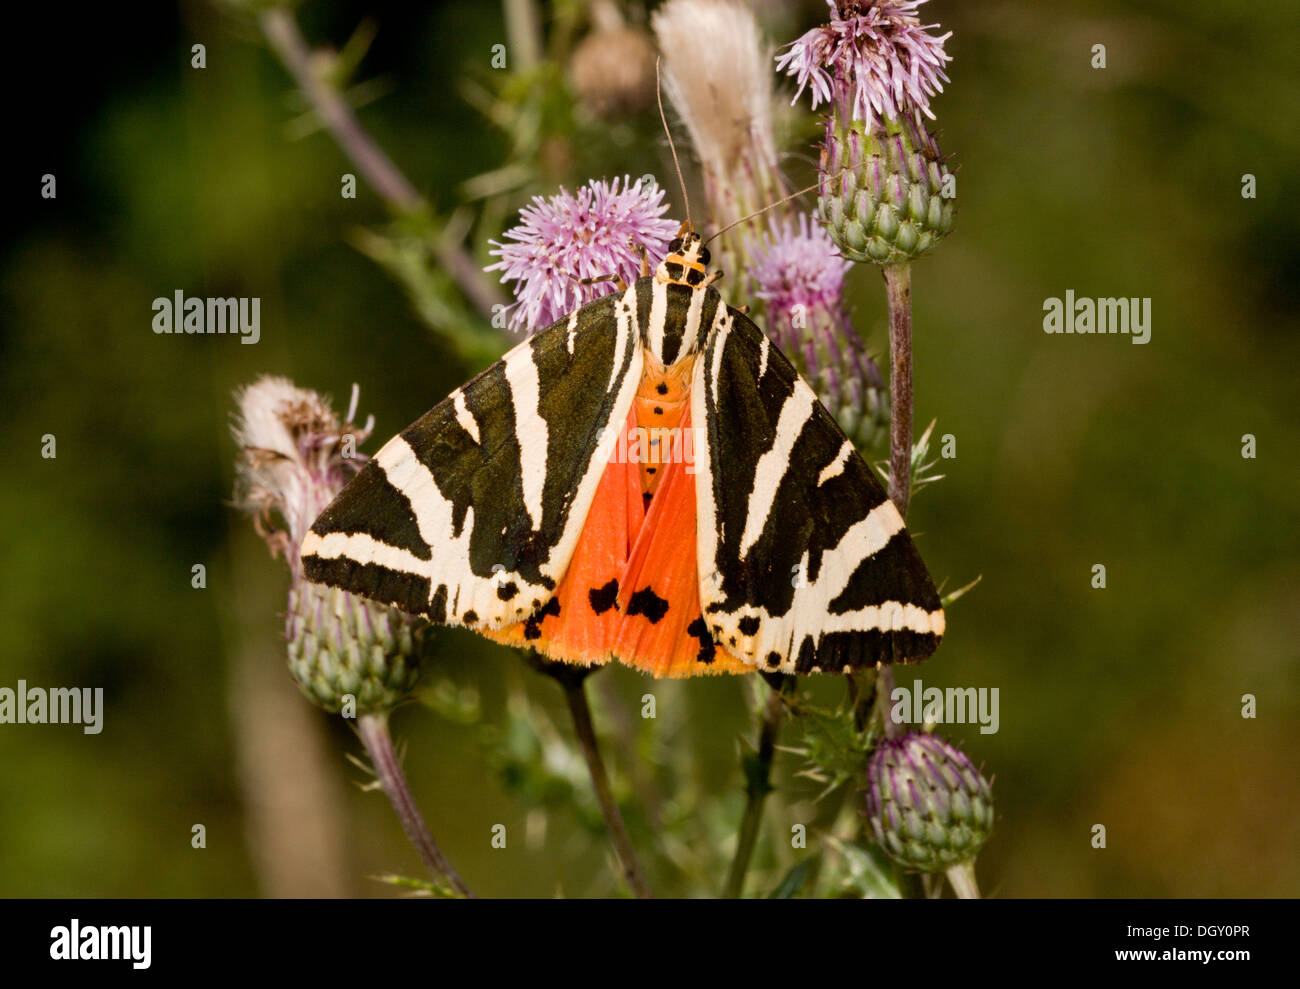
{"type": "Point", "coordinates": [564, 239]}
{"type": "Point", "coordinates": [881, 50]}
{"type": "Point", "coordinates": [799, 273]}
{"type": "Point", "coordinates": [796, 267]}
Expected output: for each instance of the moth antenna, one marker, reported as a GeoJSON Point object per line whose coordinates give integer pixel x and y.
{"type": "Point", "coordinates": [659, 96]}
{"type": "Point", "coordinates": [779, 202]}
{"type": "Point", "coordinates": [760, 212]}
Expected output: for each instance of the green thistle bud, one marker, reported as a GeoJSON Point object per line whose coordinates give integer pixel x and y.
{"type": "Point", "coordinates": [343, 645]}
{"type": "Point", "coordinates": [295, 455]}
{"type": "Point", "coordinates": [929, 807]}
{"type": "Point", "coordinates": [886, 193]}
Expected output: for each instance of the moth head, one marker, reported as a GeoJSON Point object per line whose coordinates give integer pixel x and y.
{"type": "Point", "coordinates": [687, 261]}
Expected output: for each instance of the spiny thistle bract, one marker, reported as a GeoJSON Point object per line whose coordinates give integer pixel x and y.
{"type": "Point", "coordinates": [342, 645]}
{"type": "Point", "coordinates": [881, 193]}
{"type": "Point", "coordinates": [928, 805]}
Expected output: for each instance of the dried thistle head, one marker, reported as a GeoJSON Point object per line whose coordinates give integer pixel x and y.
{"type": "Point", "coordinates": [612, 69]}
{"type": "Point", "coordinates": [718, 76]}
{"type": "Point", "coordinates": [294, 457]}
{"type": "Point", "coordinates": [717, 71]}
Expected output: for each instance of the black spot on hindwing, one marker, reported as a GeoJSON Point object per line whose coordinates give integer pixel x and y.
{"type": "Point", "coordinates": [699, 630]}
{"type": "Point", "coordinates": [533, 627]}
{"type": "Point", "coordinates": [603, 598]}
{"type": "Point", "coordinates": [647, 602]}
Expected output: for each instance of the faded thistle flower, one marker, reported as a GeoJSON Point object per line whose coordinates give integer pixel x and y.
{"type": "Point", "coordinates": [886, 194]}
{"type": "Point", "coordinates": [612, 69]}
{"type": "Point", "coordinates": [799, 275]}
{"type": "Point", "coordinates": [562, 240]}
{"type": "Point", "coordinates": [929, 807]}
{"type": "Point", "coordinates": [294, 457]}
{"type": "Point", "coordinates": [718, 75]}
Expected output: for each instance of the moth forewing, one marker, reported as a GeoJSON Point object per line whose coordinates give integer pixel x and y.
{"type": "Point", "coordinates": [470, 514]}
{"type": "Point", "coordinates": [805, 564]}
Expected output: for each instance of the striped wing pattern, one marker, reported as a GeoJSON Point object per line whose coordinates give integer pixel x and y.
{"type": "Point", "coordinates": [471, 515]}
{"type": "Point", "coordinates": [805, 565]}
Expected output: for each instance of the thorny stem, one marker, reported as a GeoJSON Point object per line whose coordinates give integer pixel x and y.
{"type": "Point", "coordinates": [281, 30]}
{"type": "Point", "coordinates": [758, 785]}
{"type": "Point", "coordinates": [898, 285]}
{"type": "Point", "coordinates": [898, 288]}
{"type": "Point", "coordinates": [575, 692]}
{"type": "Point", "coordinates": [373, 729]}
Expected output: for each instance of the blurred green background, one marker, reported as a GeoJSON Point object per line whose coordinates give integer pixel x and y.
{"type": "Point", "coordinates": [1119, 706]}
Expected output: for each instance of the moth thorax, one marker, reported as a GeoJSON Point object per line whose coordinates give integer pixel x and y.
{"type": "Point", "coordinates": [687, 261]}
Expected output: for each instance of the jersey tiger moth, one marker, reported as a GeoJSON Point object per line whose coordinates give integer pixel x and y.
{"type": "Point", "coordinates": [512, 508]}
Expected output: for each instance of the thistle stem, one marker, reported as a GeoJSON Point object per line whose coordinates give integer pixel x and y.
{"type": "Point", "coordinates": [757, 787]}
{"type": "Point", "coordinates": [884, 694]}
{"type": "Point", "coordinates": [898, 285]}
{"type": "Point", "coordinates": [575, 692]}
{"type": "Point", "coordinates": [373, 729]}
{"type": "Point", "coordinates": [962, 877]}
{"type": "Point", "coordinates": [281, 30]}
{"type": "Point", "coordinates": [523, 31]}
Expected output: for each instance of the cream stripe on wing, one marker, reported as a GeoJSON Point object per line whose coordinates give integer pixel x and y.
{"type": "Point", "coordinates": [772, 465]}
{"type": "Point", "coordinates": [405, 472]}
{"type": "Point", "coordinates": [836, 467]}
{"type": "Point", "coordinates": [719, 333]}
{"type": "Point", "coordinates": [572, 334]}
{"type": "Point", "coordinates": [530, 428]}
{"type": "Point", "coordinates": [864, 539]}
{"type": "Point", "coordinates": [464, 416]}
{"type": "Point", "coordinates": [691, 333]}
{"type": "Point", "coordinates": [624, 323]}
{"type": "Point", "coordinates": [360, 547]}
{"type": "Point", "coordinates": [658, 317]}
